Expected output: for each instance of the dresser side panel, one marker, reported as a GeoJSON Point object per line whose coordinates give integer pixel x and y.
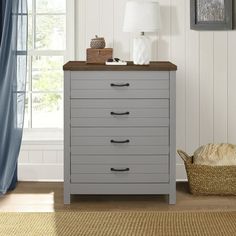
{"type": "Point", "coordinates": [172, 196]}
{"type": "Point", "coordinates": [67, 137]}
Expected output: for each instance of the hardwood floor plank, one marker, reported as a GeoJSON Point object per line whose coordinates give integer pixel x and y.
{"type": "Point", "coordinates": [48, 197]}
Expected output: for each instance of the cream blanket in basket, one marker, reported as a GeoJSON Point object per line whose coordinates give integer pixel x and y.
{"type": "Point", "coordinates": [215, 155]}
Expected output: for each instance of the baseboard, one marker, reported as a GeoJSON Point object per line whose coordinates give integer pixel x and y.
{"type": "Point", "coordinates": [181, 172]}
{"type": "Point", "coordinates": [41, 172]}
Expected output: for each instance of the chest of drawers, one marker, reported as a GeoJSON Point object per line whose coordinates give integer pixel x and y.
{"type": "Point", "coordinates": [119, 129]}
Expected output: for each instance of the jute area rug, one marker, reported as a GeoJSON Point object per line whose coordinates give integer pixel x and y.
{"type": "Point", "coordinates": [119, 223]}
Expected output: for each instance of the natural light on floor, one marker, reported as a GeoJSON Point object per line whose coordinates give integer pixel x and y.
{"type": "Point", "coordinates": [28, 201]}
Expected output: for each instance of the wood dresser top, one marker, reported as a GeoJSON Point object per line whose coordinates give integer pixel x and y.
{"type": "Point", "coordinates": [154, 66]}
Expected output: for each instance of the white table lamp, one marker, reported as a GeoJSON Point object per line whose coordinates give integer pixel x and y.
{"type": "Point", "coordinates": [142, 16]}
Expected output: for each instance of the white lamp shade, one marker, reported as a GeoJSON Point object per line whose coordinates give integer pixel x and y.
{"type": "Point", "coordinates": [142, 16]}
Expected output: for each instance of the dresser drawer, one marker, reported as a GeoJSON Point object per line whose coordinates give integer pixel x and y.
{"type": "Point", "coordinates": [124, 159]}
{"type": "Point", "coordinates": [121, 84]}
{"type": "Point", "coordinates": [131, 141]}
{"type": "Point", "coordinates": [118, 168]}
{"type": "Point", "coordinates": [120, 178]}
{"type": "Point", "coordinates": [119, 150]}
{"type": "Point", "coordinates": [119, 113]}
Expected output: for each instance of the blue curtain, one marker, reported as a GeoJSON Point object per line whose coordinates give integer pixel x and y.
{"type": "Point", "coordinates": [13, 69]}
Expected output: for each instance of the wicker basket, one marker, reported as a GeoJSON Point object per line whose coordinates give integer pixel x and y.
{"type": "Point", "coordinates": [209, 180]}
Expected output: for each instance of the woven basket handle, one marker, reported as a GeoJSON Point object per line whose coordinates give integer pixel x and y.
{"type": "Point", "coordinates": [184, 156]}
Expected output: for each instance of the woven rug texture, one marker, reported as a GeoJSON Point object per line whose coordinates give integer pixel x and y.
{"type": "Point", "coordinates": [119, 224]}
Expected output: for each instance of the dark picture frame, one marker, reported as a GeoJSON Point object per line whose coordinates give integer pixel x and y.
{"type": "Point", "coordinates": [211, 14]}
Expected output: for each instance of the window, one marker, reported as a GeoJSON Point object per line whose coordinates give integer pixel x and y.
{"type": "Point", "coordinates": [46, 56]}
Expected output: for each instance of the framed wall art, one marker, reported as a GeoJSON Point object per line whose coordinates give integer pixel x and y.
{"type": "Point", "coordinates": [211, 14]}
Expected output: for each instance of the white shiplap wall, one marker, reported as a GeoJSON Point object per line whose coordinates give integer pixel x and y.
{"type": "Point", "coordinates": [206, 77]}
{"type": "Point", "coordinates": [41, 161]}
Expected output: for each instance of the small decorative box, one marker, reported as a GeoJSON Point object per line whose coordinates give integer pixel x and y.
{"type": "Point", "coordinates": [98, 56]}
{"type": "Point", "coordinates": [98, 43]}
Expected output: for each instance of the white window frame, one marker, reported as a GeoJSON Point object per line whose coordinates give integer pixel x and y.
{"type": "Point", "coordinates": [38, 134]}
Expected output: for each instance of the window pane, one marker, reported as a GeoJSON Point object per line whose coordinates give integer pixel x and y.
{"type": "Point", "coordinates": [50, 32]}
{"type": "Point", "coordinates": [47, 73]}
{"type": "Point", "coordinates": [29, 6]}
{"type": "Point", "coordinates": [26, 118]}
{"type": "Point", "coordinates": [47, 110]}
{"type": "Point", "coordinates": [30, 33]}
{"type": "Point", "coordinates": [50, 6]}
{"type": "Point", "coordinates": [28, 78]}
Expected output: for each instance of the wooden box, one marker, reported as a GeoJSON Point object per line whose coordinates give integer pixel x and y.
{"type": "Point", "coordinates": [98, 56]}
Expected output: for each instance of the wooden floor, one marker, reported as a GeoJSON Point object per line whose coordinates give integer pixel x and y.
{"type": "Point", "coordinates": [48, 197]}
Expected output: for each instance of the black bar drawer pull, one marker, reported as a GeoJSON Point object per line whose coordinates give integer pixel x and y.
{"type": "Point", "coordinates": [120, 113]}
{"type": "Point", "coordinates": [120, 170]}
{"type": "Point", "coordinates": [125, 141]}
{"type": "Point", "coordinates": [120, 85]}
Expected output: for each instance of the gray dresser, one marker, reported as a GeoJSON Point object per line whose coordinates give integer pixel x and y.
{"type": "Point", "coordinates": [119, 129]}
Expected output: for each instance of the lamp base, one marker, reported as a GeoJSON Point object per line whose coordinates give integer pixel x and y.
{"type": "Point", "coordinates": [142, 50]}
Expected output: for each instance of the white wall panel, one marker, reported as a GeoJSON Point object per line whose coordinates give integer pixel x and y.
{"type": "Point", "coordinates": [178, 56]}
{"type": "Point", "coordinates": [50, 156]}
{"type": "Point", "coordinates": [41, 161]}
{"type": "Point", "coordinates": [92, 20]}
{"type": "Point", "coordinates": [35, 156]}
{"type": "Point", "coordinates": [220, 87]}
{"type": "Point", "coordinates": [107, 21]}
{"type": "Point", "coordinates": [192, 86]}
{"type": "Point", "coordinates": [163, 43]}
{"type": "Point", "coordinates": [24, 156]}
{"type": "Point", "coordinates": [122, 41]}
{"type": "Point", "coordinates": [232, 87]}
{"type": "Point", "coordinates": [206, 89]}
{"type": "Point", "coordinates": [40, 172]}
{"type": "Point", "coordinates": [80, 32]}
{"type": "Point", "coordinates": [60, 156]}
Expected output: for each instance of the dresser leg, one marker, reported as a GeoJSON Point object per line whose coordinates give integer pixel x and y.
{"type": "Point", "coordinates": [172, 199]}
{"type": "Point", "coordinates": [67, 198]}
